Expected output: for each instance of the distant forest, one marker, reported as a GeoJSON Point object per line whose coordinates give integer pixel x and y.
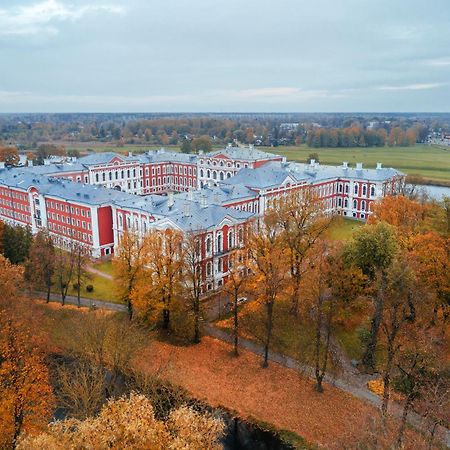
{"type": "Point", "coordinates": [28, 131]}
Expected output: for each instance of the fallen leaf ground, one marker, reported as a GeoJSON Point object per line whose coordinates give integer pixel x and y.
{"type": "Point", "coordinates": [276, 395]}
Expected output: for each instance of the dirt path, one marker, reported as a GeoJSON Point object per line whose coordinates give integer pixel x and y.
{"type": "Point", "coordinates": [99, 273]}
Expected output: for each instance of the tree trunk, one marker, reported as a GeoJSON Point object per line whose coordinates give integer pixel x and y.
{"type": "Point", "coordinates": [401, 430]}
{"type": "Point", "coordinates": [269, 325]}
{"type": "Point", "coordinates": [197, 320]}
{"type": "Point", "coordinates": [235, 329]}
{"type": "Point", "coordinates": [369, 355]}
{"type": "Point", "coordinates": [387, 381]}
{"type": "Point", "coordinates": [166, 318]}
{"type": "Point", "coordinates": [48, 293]}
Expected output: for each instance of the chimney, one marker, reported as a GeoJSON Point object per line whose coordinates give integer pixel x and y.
{"type": "Point", "coordinates": [130, 154]}
{"type": "Point", "coordinates": [210, 183]}
{"type": "Point", "coordinates": [345, 165]}
{"type": "Point", "coordinates": [170, 200]}
{"type": "Point", "coordinates": [216, 197]}
{"type": "Point", "coordinates": [229, 145]}
{"type": "Point", "coordinates": [200, 152]}
{"type": "Point", "coordinates": [204, 201]}
{"type": "Point", "coordinates": [312, 162]}
{"type": "Point", "coordinates": [190, 195]}
{"type": "Point", "coordinates": [46, 162]}
{"type": "Point", "coordinates": [2, 165]}
{"type": "Point", "coordinates": [30, 163]}
{"type": "Point", "coordinates": [379, 166]}
{"type": "Point", "coordinates": [359, 166]}
{"type": "Point", "coordinates": [187, 209]}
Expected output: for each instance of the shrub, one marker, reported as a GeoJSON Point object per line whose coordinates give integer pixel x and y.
{"type": "Point", "coordinates": [89, 288]}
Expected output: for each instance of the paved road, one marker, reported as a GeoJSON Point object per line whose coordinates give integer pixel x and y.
{"type": "Point", "coordinates": [358, 391]}
{"type": "Point", "coordinates": [88, 302]}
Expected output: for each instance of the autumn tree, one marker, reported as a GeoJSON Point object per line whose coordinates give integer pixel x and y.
{"type": "Point", "coordinates": [11, 278]}
{"type": "Point", "coordinates": [430, 255]}
{"type": "Point", "coordinates": [332, 287]}
{"type": "Point", "coordinates": [16, 243]}
{"type": "Point", "coordinates": [26, 398]}
{"type": "Point", "coordinates": [406, 215]}
{"type": "Point", "coordinates": [160, 283]}
{"type": "Point", "coordinates": [192, 278]}
{"type": "Point", "coordinates": [80, 272]}
{"type": "Point", "coordinates": [202, 143]}
{"type": "Point", "coordinates": [9, 155]}
{"type": "Point", "coordinates": [235, 287]}
{"type": "Point", "coordinates": [130, 423]}
{"type": "Point", "coordinates": [400, 310]}
{"type": "Point", "coordinates": [301, 217]}
{"type": "Point", "coordinates": [373, 250]}
{"type": "Point", "coordinates": [40, 265]}
{"type": "Point", "coordinates": [128, 265]}
{"type": "Point", "coordinates": [64, 270]}
{"type": "Point", "coordinates": [268, 261]}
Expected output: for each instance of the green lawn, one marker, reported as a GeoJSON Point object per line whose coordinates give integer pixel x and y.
{"type": "Point", "coordinates": [103, 288]}
{"type": "Point", "coordinates": [431, 162]}
{"type": "Point", "coordinates": [342, 229]}
{"type": "Point", "coordinates": [104, 266]}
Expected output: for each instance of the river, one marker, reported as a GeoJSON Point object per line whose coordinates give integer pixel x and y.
{"type": "Point", "coordinates": [435, 192]}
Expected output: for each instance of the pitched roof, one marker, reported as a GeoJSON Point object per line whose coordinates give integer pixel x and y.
{"type": "Point", "coordinates": [244, 153]}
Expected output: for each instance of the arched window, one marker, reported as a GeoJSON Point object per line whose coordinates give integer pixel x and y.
{"type": "Point", "coordinates": [228, 174]}
{"type": "Point", "coordinates": [355, 204]}
{"type": "Point", "coordinates": [208, 173]}
{"type": "Point", "coordinates": [214, 175]}
{"type": "Point", "coordinates": [346, 188]}
{"type": "Point", "coordinates": [364, 190]}
{"type": "Point", "coordinates": [355, 188]}
{"type": "Point", "coordinates": [363, 205]}
{"type": "Point", "coordinates": [230, 239]}
{"type": "Point", "coordinates": [339, 201]}
{"type": "Point", "coordinates": [104, 176]}
{"type": "Point", "coordinates": [201, 172]}
{"type": "Point", "coordinates": [96, 177]}
{"type": "Point", "coordinates": [241, 235]}
{"type": "Point", "coordinates": [221, 176]}
{"type": "Point", "coordinates": [372, 191]}
{"type": "Point", "coordinates": [346, 202]}
{"type": "Point", "coordinates": [219, 242]}
{"type": "Point", "coordinates": [208, 244]}
{"type": "Point", "coordinates": [208, 268]}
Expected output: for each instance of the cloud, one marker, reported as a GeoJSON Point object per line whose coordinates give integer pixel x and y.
{"type": "Point", "coordinates": [438, 62]}
{"type": "Point", "coordinates": [411, 87]}
{"type": "Point", "coordinates": [39, 17]}
{"type": "Point", "coordinates": [278, 94]}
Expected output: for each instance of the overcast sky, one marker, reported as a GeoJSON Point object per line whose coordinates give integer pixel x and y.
{"type": "Point", "coordinates": [224, 55]}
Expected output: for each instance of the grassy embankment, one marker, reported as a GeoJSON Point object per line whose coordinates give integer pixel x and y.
{"type": "Point", "coordinates": [430, 162]}
{"type": "Point", "coordinates": [103, 286]}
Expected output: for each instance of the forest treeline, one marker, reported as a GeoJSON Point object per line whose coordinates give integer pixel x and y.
{"type": "Point", "coordinates": [265, 131]}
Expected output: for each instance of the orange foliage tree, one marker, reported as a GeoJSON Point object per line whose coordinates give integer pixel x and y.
{"type": "Point", "coordinates": [269, 261]}
{"type": "Point", "coordinates": [26, 398]}
{"type": "Point", "coordinates": [160, 283]}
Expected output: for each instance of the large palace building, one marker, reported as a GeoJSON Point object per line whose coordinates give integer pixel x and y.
{"type": "Point", "coordinates": [94, 199]}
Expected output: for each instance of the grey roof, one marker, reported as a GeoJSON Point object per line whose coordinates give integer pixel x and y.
{"type": "Point", "coordinates": [264, 177]}
{"type": "Point", "coordinates": [318, 172]}
{"type": "Point", "coordinates": [163, 155]}
{"type": "Point", "coordinates": [244, 153]}
{"type": "Point", "coordinates": [103, 158]}
{"type": "Point", "coordinates": [53, 169]}
{"type": "Point", "coordinates": [188, 215]}
{"type": "Point", "coordinates": [220, 195]}
{"type": "Point", "coordinates": [64, 189]}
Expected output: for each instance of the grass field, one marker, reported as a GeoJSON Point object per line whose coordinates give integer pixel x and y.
{"type": "Point", "coordinates": [430, 162]}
